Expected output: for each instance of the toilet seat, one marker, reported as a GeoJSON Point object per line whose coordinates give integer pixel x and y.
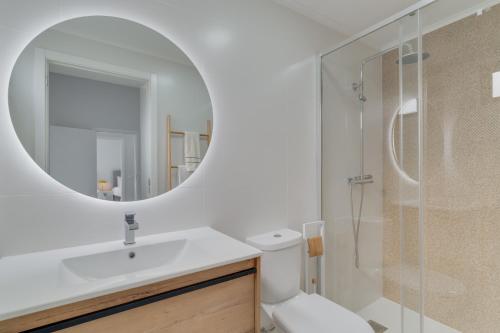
{"type": "Point", "coordinates": [314, 313]}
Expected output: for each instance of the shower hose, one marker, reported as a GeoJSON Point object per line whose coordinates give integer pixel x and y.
{"type": "Point", "coordinates": [356, 222]}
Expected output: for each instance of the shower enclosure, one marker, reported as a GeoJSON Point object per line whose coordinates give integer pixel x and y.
{"type": "Point", "coordinates": [410, 180]}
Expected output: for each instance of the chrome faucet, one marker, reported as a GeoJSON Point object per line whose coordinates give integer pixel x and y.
{"type": "Point", "coordinates": [131, 226]}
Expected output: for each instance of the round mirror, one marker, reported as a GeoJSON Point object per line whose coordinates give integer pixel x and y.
{"type": "Point", "coordinates": [110, 108]}
{"type": "Point", "coordinates": [404, 140]}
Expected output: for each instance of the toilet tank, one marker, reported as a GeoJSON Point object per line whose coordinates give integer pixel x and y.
{"type": "Point", "coordinates": [280, 264]}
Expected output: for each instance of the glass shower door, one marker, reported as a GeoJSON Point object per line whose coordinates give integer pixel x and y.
{"type": "Point", "coordinates": [370, 170]}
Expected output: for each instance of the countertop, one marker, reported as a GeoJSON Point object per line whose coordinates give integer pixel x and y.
{"type": "Point", "coordinates": [38, 281]}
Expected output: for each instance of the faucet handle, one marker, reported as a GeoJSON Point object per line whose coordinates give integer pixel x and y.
{"type": "Point", "coordinates": [130, 217]}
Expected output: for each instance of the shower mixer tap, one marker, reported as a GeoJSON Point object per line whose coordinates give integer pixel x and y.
{"type": "Point", "coordinates": [366, 179]}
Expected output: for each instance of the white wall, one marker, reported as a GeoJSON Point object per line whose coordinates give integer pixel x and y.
{"type": "Point", "coordinates": [258, 62]}
{"type": "Point", "coordinates": [109, 157]}
{"type": "Point", "coordinates": [83, 103]}
{"type": "Point", "coordinates": [73, 158]}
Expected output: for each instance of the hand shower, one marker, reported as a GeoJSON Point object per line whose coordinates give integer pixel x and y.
{"type": "Point", "coordinates": [356, 221]}
{"type": "Point", "coordinates": [355, 87]}
{"type": "Point", "coordinates": [359, 180]}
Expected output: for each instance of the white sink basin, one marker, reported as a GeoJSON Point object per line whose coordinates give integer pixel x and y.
{"type": "Point", "coordinates": [43, 280]}
{"type": "Point", "coordinates": [127, 260]}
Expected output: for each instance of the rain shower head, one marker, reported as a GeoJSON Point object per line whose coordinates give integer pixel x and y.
{"type": "Point", "coordinates": [412, 58]}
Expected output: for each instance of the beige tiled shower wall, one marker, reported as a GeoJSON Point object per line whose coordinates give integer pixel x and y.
{"type": "Point", "coordinates": [461, 182]}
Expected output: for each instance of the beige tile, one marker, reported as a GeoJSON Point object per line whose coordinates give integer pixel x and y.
{"type": "Point", "coordinates": [462, 182]}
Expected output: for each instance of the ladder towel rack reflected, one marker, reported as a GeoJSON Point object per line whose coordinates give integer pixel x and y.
{"type": "Point", "coordinates": [170, 132]}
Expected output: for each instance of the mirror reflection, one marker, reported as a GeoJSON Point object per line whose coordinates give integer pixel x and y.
{"type": "Point", "coordinates": [110, 108]}
{"type": "Point", "coordinates": [404, 133]}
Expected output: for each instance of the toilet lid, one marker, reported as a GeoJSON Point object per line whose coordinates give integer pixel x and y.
{"type": "Point", "coordinates": [314, 313]}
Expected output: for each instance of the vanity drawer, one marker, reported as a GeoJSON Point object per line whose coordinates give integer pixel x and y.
{"type": "Point", "coordinates": [220, 299]}
{"type": "Point", "coordinates": [225, 307]}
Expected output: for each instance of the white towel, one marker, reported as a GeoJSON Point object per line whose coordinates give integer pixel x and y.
{"type": "Point", "coordinates": [192, 155]}
{"type": "Point", "coordinates": [182, 174]}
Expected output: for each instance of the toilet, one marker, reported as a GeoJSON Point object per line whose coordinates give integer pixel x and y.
{"type": "Point", "coordinates": [284, 306]}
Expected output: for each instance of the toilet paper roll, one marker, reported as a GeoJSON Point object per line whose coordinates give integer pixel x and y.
{"type": "Point", "coordinates": [315, 245]}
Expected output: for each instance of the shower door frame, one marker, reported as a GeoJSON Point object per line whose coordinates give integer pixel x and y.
{"type": "Point", "coordinates": [319, 144]}
{"type": "Point", "coordinates": [394, 18]}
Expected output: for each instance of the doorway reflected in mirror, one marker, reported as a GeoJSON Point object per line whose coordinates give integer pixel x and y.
{"type": "Point", "coordinates": [110, 108]}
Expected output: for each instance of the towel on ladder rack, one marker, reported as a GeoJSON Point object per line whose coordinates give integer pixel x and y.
{"type": "Point", "coordinates": [182, 174]}
{"type": "Point", "coordinates": [192, 156]}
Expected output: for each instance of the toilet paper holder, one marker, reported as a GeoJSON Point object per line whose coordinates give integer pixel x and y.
{"type": "Point", "coordinates": [313, 234]}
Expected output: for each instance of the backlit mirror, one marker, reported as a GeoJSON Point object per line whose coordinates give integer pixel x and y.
{"type": "Point", "coordinates": [110, 108]}
{"type": "Point", "coordinates": [404, 139]}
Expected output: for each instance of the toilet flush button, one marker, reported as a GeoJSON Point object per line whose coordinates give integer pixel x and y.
{"type": "Point", "coordinates": [277, 235]}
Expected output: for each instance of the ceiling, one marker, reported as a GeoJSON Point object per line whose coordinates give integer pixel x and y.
{"type": "Point", "coordinates": [347, 16]}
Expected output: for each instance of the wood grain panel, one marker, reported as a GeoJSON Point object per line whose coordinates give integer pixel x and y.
{"type": "Point", "coordinates": [257, 295]}
{"type": "Point", "coordinates": [60, 313]}
{"type": "Point", "coordinates": [226, 307]}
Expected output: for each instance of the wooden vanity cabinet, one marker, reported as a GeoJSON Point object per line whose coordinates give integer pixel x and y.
{"type": "Point", "coordinates": [218, 300]}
